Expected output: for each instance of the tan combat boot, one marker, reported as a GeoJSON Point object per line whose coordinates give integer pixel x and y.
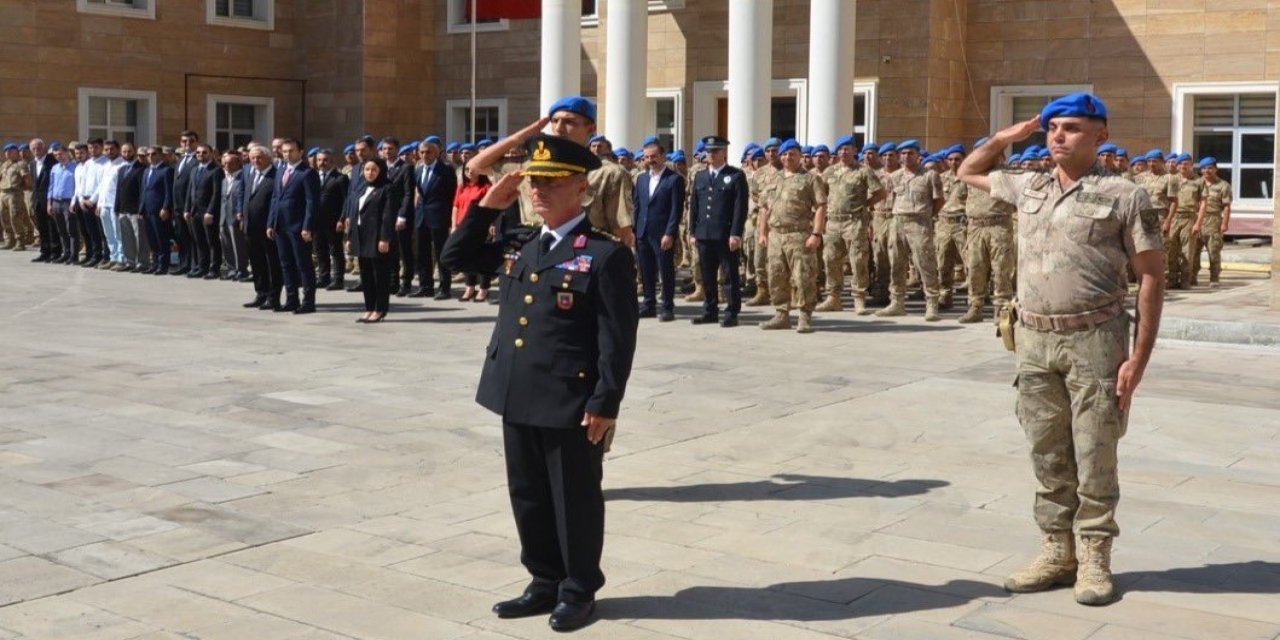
{"type": "Point", "coordinates": [946, 301]}
{"type": "Point", "coordinates": [1093, 579]}
{"type": "Point", "coordinates": [698, 295]}
{"type": "Point", "coordinates": [832, 303]}
{"type": "Point", "coordinates": [931, 311]}
{"type": "Point", "coordinates": [761, 299]}
{"type": "Point", "coordinates": [973, 315]}
{"type": "Point", "coordinates": [860, 306]}
{"type": "Point", "coordinates": [8, 246]}
{"type": "Point", "coordinates": [1056, 565]}
{"type": "Point", "coordinates": [780, 320]}
{"type": "Point", "coordinates": [806, 323]}
{"type": "Point", "coordinates": [895, 308]}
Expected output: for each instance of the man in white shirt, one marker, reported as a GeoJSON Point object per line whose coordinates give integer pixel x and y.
{"type": "Point", "coordinates": [105, 195]}
{"type": "Point", "coordinates": [84, 204]}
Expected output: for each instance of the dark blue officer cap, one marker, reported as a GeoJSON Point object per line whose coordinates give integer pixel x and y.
{"type": "Point", "coordinates": [574, 104]}
{"type": "Point", "coordinates": [1079, 104]}
{"type": "Point", "coordinates": [556, 157]}
{"type": "Point", "coordinates": [711, 143]}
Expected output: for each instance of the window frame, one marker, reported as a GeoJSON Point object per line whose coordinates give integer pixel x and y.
{"type": "Point", "coordinates": [1002, 97]}
{"type": "Point", "coordinates": [455, 125]}
{"type": "Point", "coordinates": [455, 13]}
{"type": "Point", "coordinates": [109, 8]}
{"type": "Point", "coordinates": [264, 115]}
{"type": "Point", "coordinates": [144, 131]}
{"type": "Point", "coordinates": [266, 23]}
{"type": "Point", "coordinates": [1184, 131]}
{"type": "Point", "coordinates": [651, 98]}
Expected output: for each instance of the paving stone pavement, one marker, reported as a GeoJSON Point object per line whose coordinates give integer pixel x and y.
{"type": "Point", "coordinates": [173, 466]}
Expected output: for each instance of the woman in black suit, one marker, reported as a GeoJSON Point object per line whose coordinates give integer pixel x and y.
{"type": "Point", "coordinates": [372, 225]}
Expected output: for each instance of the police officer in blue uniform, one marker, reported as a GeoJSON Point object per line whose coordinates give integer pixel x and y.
{"type": "Point", "coordinates": [717, 214]}
{"type": "Point", "coordinates": [555, 370]}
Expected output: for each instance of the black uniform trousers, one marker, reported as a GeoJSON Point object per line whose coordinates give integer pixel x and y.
{"type": "Point", "coordinates": [182, 236]}
{"type": "Point", "coordinates": [159, 234]}
{"type": "Point", "coordinates": [331, 260]}
{"type": "Point", "coordinates": [655, 262]}
{"type": "Point", "coordinates": [264, 262]}
{"type": "Point", "coordinates": [715, 256]}
{"type": "Point", "coordinates": [553, 477]}
{"type": "Point", "coordinates": [208, 245]}
{"type": "Point", "coordinates": [430, 244]}
{"type": "Point", "coordinates": [405, 238]}
{"type": "Point", "coordinates": [50, 238]}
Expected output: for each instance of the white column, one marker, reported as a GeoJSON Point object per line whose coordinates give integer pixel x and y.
{"type": "Point", "coordinates": [561, 51]}
{"type": "Point", "coordinates": [626, 68]}
{"type": "Point", "coordinates": [750, 73]}
{"type": "Point", "coordinates": [831, 73]}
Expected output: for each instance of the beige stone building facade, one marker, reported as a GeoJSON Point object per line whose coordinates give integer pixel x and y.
{"type": "Point", "coordinates": [1177, 74]}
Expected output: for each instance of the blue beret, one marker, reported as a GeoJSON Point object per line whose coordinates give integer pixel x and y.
{"type": "Point", "coordinates": [1107, 148]}
{"type": "Point", "coordinates": [312, 151]}
{"type": "Point", "coordinates": [1154, 152]}
{"type": "Point", "coordinates": [1171, 157]}
{"type": "Point", "coordinates": [909, 144]}
{"type": "Point", "coordinates": [955, 148]}
{"type": "Point", "coordinates": [1122, 152]}
{"type": "Point", "coordinates": [451, 147]}
{"type": "Point", "coordinates": [650, 140]}
{"type": "Point", "coordinates": [1015, 158]}
{"type": "Point", "coordinates": [870, 146]}
{"type": "Point", "coordinates": [574, 104]}
{"type": "Point", "coordinates": [1206, 161]}
{"type": "Point", "coordinates": [1073, 104]}
{"type": "Point", "coordinates": [887, 147]}
{"type": "Point", "coordinates": [806, 150]}
{"type": "Point", "coordinates": [981, 141]}
{"type": "Point", "coordinates": [351, 148]}
{"type": "Point", "coordinates": [1033, 149]}
{"type": "Point", "coordinates": [786, 146]}
{"type": "Point", "coordinates": [406, 148]}
{"type": "Point", "coordinates": [11, 147]}
{"type": "Point", "coordinates": [676, 156]}
{"type": "Point", "coordinates": [54, 146]}
{"type": "Point", "coordinates": [1140, 158]}
{"type": "Point", "coordinates": [772, 142]}
{"type": "Point", "coordinates": [638, 155]}
{"type": "Point", "coordinates": [595, 138]}
{"type": "Point", "coordinates": [466, 147]}
{"type": "Point", "coordinates": [434, 140]}
{"type": "Point", "coordinates": [1044, 153]}
{"type": "Point", "coordinates": [699, 147]}
{"type": "Point", "coordinates": [23, 147]}
{"type": "Point", "coordinates": [821, 148]}
{"type": "Point", "coordinates": [757, 153]}
{"type": "Point", "coordinates": [621, 151]}
{"type": "Point", "coordinates": [751, 146]}
{"type": "Point", "coordinates": [1184, 157]}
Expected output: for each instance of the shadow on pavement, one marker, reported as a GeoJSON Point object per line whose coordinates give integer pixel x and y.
{"type": "Point", "coordinates": [813, 601]}
{"type": "Point", "coordinates": [1256, 576]}
{"type": "Point", "coordinates": [790, 487]}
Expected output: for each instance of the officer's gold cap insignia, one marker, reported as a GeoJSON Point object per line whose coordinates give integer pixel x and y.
{"type": "Point", "coordinates": [542, 153]}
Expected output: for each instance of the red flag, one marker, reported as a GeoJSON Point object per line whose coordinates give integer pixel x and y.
{"type": "Point", "coordinates": [506, 9]}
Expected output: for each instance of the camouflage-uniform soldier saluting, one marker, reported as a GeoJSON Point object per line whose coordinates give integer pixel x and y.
{"type": "Point", "coordinates": [852, 190]}
{"type": "Point", "coordinates": [1078, 228]}
{"type": "Point", "coordinates": [791, 225]}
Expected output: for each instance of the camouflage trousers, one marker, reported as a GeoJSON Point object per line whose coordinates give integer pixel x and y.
{"type": "Point", "coordinates": [848, 240]}
{"type": "Point", "coordinates": [1067, 407]}
{"type": "Point", "coordinates": [1179, 251]}
{"type": "Point", "coordinates": [793, 272]}
{"type": "Point", "coordinates": [949, 240]}
{"type": "Point", "coordinates": [881, 241]}
{"type": "Point", "coordinates": [756, 258]}
{"type": "Point", "coordinates": [1211, 238]}
{"type": "Point", "coordinates": [13, 213]}
{"type": "Point", "coordinates": [990, 256]}
{"type": "Point", "coordinates": [913, 244]}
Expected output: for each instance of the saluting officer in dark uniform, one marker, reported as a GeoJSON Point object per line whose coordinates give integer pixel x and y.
{"type": "Point", "coordinates": [717, 215]}
{"type": "Point", "coordinates": [555, 369]}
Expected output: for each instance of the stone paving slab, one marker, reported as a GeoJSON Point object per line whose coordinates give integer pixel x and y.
{"type": "Point", "coordinates": [172, 466]}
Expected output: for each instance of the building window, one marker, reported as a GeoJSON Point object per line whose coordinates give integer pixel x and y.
{"type": "Point", "coordinates": [235, 121]}
{"type": "Point", "coordinates": [1240, 131]}
{"type": "Point", "coordinates": [1012, 104]}
{"type": "Point", "coordinates": [125, 8]}
{"type": "Point", "coordinates": [664, 117]}
{"type": "Point", "coordinates": [254, 14]}
{"type": "Point", "coordinates": [490, 120]}
{"type": "Point", "coordinates": [458, 16]}
{"type": "Point", "coordinates": [864, 113]}
{"type": "Point", "coordinates": [783, 117]}
{"type": "Point", "coordinates": [113, 114]}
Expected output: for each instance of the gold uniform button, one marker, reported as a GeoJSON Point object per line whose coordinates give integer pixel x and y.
{"type": "Point", "coordinates": [519, 342]}
{"type": "Point", "coordinates": [524, 322]}
{"type": "Point", "coordinates": [528, 299]}
{"type": "Point", "coordinates": [533, 277]}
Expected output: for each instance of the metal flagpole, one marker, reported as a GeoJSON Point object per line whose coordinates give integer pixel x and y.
{"type": "Point", "coordinates": [474, 19]}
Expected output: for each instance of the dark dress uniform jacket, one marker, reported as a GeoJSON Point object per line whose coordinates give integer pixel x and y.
{"type": "Point", "coordinates": [333, 197]}
{"type": "Point", "coordinates": [565, 338]}
{"type": "Point", "coordinates": [719, 207]}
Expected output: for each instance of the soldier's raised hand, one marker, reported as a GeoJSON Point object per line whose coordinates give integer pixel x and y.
{"type": "Point", "coordinates": [503, 193]}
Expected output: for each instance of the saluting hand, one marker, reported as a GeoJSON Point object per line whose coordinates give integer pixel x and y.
{"type": "Point", "coordinates": [597, 426]}
{"type": "Point", "coordinates": [503, 193]}
{"type": "Point", "coordinates": [1019, 131]}
{"type": "Point", "coordinates": [533, 129]}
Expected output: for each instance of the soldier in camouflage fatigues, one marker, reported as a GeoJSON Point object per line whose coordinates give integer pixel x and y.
{"type": "Point", "coordinates": [762, 182]}
{"type": "Point", "coordinates": [990, 251]}
{"type": "Point", "coordinates": [794, 217]}
{"type": "Point", "coordinates": [1080, 226]}
{"type": "Point", "coordinates": [1217, 216]}
{"type": "Point", "coordinates": [949, 230]}
{"type": "Point", "coordinates": [15, 178]}
{"type": "Point", "coordinates": [851, 190]}
{"type": "Point", "coordinates": [916, 196]}
{"type": "Point", "coordinates": [884, 161]}
{"type": "Point", "coordinates": [693, 260]}
{"type": "Point", "coordinates": [1181, 241]}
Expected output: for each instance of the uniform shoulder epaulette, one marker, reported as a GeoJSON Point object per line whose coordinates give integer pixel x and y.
{"type": "Point", "coordinates": [606, 234]}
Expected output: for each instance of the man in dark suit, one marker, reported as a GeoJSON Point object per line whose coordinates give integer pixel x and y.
{"type": "Point", "coordinates": [434, 187]}
{"type": "Point", "coordinates": [235, 249]}
{"type": "Point", "coordinates": [556, 370]}
{"type": "Point", "coordinates": [291, 225]}
{"type": "Point", "coordinates": [400, 174]}
{"type": "Point", "coordinates": [184, 233]}
{"type": "Point", "coordinates": [659, 203]}
{"type": "Point", "coordinates": [333, 195]}
{"type": "Point", "coordinates": [204, 207]}
{"type": "Point", "coordinates": [133, 243]}
{"type": "Point", "coordinates": [254, 213]}
{"type": "Point", "coordinates": [717, 214]}
{"type": "Point", "coordinates": [41, 164]}
{"type": "Point", "coordinates": [156, 207]}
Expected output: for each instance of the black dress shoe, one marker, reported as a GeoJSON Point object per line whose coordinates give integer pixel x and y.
{"type": "Point", "coordinates": [270, 305]}
{"type": "Point", "coordinates": [159, 272]}
{"type": "Point", "coordinates": [212, 275]}
{"type": "Point", "coordinates": [443, 294]}
{"type": "Point", "coordinates": [422, 293]}
{"type": "Point", "coordinates": [729, 321]}
{"type": "Point", "coordinates": [40, 258]}
{"type": "Point", "coordinates": [570, 616]}
{"type": "Point", "coordinates": [336, 285]}
{"type": "Point", "coordinates": [648, 313]}
{"type": "Point", "coordinates": [256, 302]}
{"type": "Point", "coordinates": [306, 307]}
{"type": "Point", "coordinates": [666, 316]}
{"type": "Point", "coordinates": [403, 291]}
{"type": "Point", "coordinates": [355, 288]}
{"type": "Point", "coordinates": [244, 277]}
{"type": "Point", "coordinates": [528, 604]}
{"type": "Point", "coordinates": [289, 306]}
{"type": "Point", "coordinates": [705, 319]}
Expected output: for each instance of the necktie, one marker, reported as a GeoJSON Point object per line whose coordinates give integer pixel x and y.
{"type": "Point", "coordinates": [288, 173]}
{"type": "Point", "coordinates": [546, 241]}
{"type": "Point", "coordinates": [257, 178]}
{"type": "Point", "coordinates": [426, 177]}
{"type": "Point", "coordinates": [148, 176]}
